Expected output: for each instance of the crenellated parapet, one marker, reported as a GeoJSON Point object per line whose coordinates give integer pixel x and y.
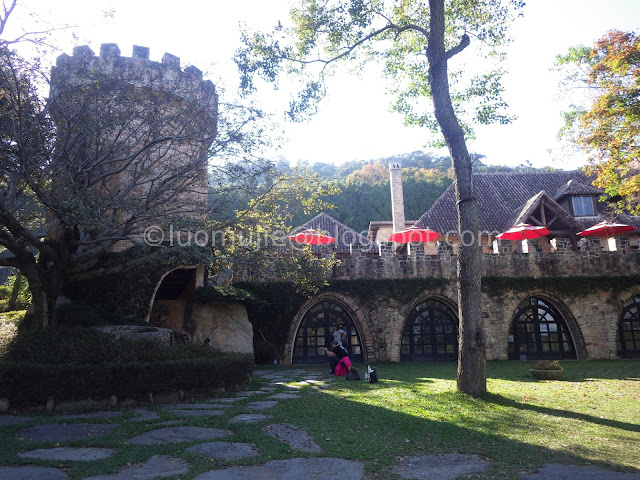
{"type": "Point", "coordinates": [165, 76]}
{"type": "Point", "coordinates": [542, 259]}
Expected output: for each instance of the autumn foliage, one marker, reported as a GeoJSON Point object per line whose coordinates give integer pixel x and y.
{"type": "Point", "coordinates": [609, 129]}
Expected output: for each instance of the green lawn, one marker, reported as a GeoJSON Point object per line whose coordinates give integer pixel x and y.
{"type": "Point", "coordinates": [592, 417]}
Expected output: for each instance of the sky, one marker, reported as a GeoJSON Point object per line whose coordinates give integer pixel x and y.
{"type": "Point", "coordinates": [354, 121]}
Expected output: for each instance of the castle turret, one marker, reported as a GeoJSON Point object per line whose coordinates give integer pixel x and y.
{"type": "Point", "coordinates": [145, 127]}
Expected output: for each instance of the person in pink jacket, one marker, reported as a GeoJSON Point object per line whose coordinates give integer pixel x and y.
{"type": "Point", "coordinates": [338, 359]}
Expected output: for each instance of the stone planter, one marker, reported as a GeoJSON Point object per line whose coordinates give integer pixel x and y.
{"type": "Point", "coordinates": [546, 374]}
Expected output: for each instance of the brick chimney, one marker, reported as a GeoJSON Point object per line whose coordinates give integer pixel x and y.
{"type": "Point", "coordinates": [397, 199]}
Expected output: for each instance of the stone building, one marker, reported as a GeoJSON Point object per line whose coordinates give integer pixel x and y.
{"type": "Point", "coordinates": [556, 297]}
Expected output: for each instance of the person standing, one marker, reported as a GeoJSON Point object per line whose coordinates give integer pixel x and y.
{"type": "Point", "coordinates": [339, 335]}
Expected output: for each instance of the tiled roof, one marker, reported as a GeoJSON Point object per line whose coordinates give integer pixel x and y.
{"type": "Point", "coordinates": [503, 196]}
{"type": "Point", "coordinates": [576, 187]}
{"type": "Point", "coordinates": [344, 235]}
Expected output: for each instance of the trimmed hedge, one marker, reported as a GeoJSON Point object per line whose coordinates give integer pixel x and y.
{"type": "Point", "coordinates": [31, 383]}
{"type": "Point", "coordinates": [78, 363]}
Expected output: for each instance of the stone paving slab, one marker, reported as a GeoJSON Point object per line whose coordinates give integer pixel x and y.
{"type": "Point", "coordinates": [249, 418]}
{"type": "Point", "coordinates": [69, 453]}
{"type": "Point", "coordinates": [264, 405]}
{"type": "Point", "coordinates": [197, 413]}
{"type": "Point", "coordinates": [295, 437]}
{"type": "Point", "coordinates": [101, 414]}
{"type": "Point", "coordinates": [176, 435]}
{"type": "Point", "coordinates": [555, 471]}
{"type": "Point", "coordinates": [31, 473]}
{"type": "Point", "coordinates": [224, 450]}
{"type": "Point", "coordinates": [440, 467]}
{"type": "Point", "coordinates": [229, 400]}
{"type": "Point", "coordinates": [6, 420]}
{"type": "Point", "coordinates": [248, 393]}
{"type": "Point", "coordinates": [61, 433]}
{"type": "Point", "coordinates": [196, 406]}
{"type": "Point", "coordinates": [284, 396]}
{"type": "Point", "coordinates": [157, 466]}
{"type": "Point", "coordinates": [292, 469]}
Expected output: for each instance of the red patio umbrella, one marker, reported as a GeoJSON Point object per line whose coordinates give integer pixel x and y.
{"type": "Point", "coordinates": [523, 231]}
{"type": "Point", "coordinates": [312, 237]}
{"type": "Point", "coordinates": [606, 229]}
{"type": "Point", "coordinates": [412, 234]}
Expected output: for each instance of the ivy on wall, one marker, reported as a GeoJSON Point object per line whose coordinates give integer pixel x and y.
{"type": "Point", "coordinates": [272, 319]}
{"type": "Point", "coordinates": [129, 292]}
{"type": "Point", "coordinates": [226, 293]}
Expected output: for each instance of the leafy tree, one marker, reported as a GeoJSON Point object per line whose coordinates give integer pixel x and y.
{"type": "Point", "coordinates": [608, 127]}
{"type": "Point", "coordinates": [416, 40]}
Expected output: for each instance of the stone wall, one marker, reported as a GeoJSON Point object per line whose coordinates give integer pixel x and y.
{"type": "Point", "coordinates": [591, 314]}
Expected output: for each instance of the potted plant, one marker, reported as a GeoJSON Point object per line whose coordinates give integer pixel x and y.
{"type": "Point", "coordinates": [546, 370]}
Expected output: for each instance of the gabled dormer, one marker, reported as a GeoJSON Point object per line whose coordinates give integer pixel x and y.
{"type": "Point", "coordinates": [579, 199]}
{"type": "Point", "coordinates": [543, 210]}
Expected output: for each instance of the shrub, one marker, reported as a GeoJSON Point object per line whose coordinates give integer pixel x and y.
{"type": "Point", "coordinates": [74, 363]}
{"type": "Point", "coordinates": [30, 383]}
{"type": "Point", "coordinates": [78, 313]}
{"type": "Point", "coordinates": [546, 365]}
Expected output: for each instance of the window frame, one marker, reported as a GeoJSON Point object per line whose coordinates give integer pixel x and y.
{"type": "Point", "coordinates": [582, 197]}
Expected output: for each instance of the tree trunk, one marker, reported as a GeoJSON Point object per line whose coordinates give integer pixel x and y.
{"type": "Point", "coordinates": [471, 346]}
{"type": "Point", "coordinates": [44, 295]}
{"type": "Point", "coordinates": [15, 291]}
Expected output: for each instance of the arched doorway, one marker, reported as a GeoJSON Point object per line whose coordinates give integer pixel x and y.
{"type": "Point", "coordinates": [539, 332]}
{"type": "Point", "coordinates": [629, 330]}
{"type": "Point", "coordinates": [314, 333]}
{"type": "Point", "coordinates": [430, 334]}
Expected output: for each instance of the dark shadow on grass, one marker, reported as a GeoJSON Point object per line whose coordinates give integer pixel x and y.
{"type": "Point", "coordinates": [378, 435]}
{"type": "Point", "coordinates": [507, 402]}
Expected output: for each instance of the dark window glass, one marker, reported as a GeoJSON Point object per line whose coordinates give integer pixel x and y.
{"type": "Point", "coordinates": [629, 330]}
{"type": "Point", "coordinates": [315, 333]}
{"type": "Point", "coordinates": [430, 334]}
{"type": "Point", "coordinates": [540, 332]}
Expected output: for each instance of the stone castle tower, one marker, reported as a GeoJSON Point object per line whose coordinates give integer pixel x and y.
{"type": "Point", "coordinates": [145, 126]}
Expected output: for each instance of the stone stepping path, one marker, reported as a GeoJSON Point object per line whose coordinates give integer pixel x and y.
{"type": "Point", "coordinates": [230, 400]}
{"type": "Point", "coordinates": [196, 406]}
{"type": "Point", "coordinates": [249, 418]}
{"type": "Point", "coordinates": [64, 433]}
{"type": "Point", "coordinates": [224, 450]}
{"type": "Point", "coordinates": [163, 436]}
{"type": "Point", "coordinates": [32, 473]}
{"type": "Point", "coordinates": [69, 453]}
{"type": "Point", "coordinates": [248, 393]}
{"type": "Point", "coordinates": [295, 437]}
{"type": "Point", "coordinates": [440, 467]}
{"type": "Point", "coordinates": [264, 405]}
{"type": "Point", "coordinates": [6, 420]}
{"type": "Point", "coordinates": [292, 469]}
{"type": "Point", "coordinates": [104, 414]}
{"type": "Point", "coordinates": [197, 413]}
{"type": "Point", "coordinates": [574, 472]}
{"type": "Point", "coordinates": [156, 467]}
{"type": "Point", "coordinates": [284, 396]}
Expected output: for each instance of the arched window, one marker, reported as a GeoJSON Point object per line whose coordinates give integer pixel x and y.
{"type": "Point", "coordinates": [629, 330]}
{"type": "Point", "coordinates": [539, 332]}
{"type": "Point", "coordinates": [315, 331]}
{"type": "Point", "coordinates": [430, 334]}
